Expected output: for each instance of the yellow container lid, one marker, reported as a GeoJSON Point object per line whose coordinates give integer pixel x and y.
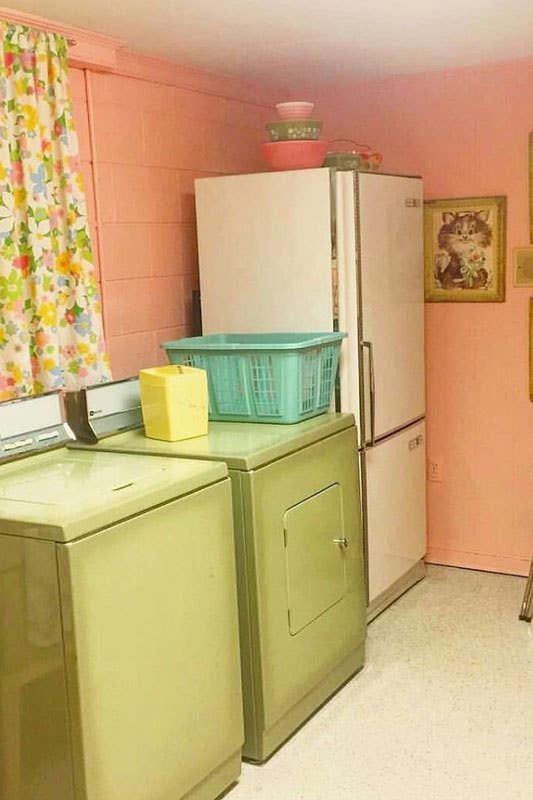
{"type": "Point", "coordinates": [160, 376]}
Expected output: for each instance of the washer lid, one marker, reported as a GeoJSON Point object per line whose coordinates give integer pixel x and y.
{"type": "Point", "coordinates": [241, 445]}
{"type": "Point", "coordinates": [65, 494]}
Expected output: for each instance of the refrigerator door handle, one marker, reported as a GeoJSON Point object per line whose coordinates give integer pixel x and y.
{"type": "Point", "coordinates": [370, 349]}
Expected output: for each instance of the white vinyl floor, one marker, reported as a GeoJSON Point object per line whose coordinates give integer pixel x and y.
{"type": "Point", "coordinates": [443, 709]}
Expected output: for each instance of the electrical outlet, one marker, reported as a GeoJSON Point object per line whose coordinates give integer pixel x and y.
{"type": "Point", "coordinates": [434, 471]}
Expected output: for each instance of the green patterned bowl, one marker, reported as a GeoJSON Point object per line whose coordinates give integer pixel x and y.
{"type": "Point", "coordinates": [290, 129]}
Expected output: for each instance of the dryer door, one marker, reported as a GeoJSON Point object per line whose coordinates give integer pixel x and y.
{"type": "Point", "coordinates": [314, 556]}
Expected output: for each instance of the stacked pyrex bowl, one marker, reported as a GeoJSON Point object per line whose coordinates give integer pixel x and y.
{"type": "Point", "coordinates": [294, 138]}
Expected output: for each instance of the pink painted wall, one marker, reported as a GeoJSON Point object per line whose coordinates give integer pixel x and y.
{"type": "Point", "coordinates": [143, 141]}
{"type": "Point", "coordinates": [466, 133]}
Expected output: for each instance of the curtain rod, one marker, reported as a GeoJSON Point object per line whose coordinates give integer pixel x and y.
{"type": "Point", "coordinates": [69, 40]}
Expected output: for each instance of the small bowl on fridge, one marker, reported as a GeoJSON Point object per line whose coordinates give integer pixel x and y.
{"type": "Point", "coordinates": [296, 109]}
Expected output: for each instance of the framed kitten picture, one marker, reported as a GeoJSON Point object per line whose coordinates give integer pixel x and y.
{"type": "Point", "coordinates": [464, 250]}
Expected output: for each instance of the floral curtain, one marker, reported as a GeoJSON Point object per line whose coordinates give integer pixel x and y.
{"type": "Point", "coordinates": [51, 332]}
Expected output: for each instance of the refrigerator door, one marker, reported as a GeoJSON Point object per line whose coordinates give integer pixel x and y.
{"type": "Point", "coordinates": [264, 245]}
{"type": "Point", "coordinates": [348, 290]}
{"type": "Point", "coordinates": [395, 511]}
{"type": "Point", "coordinates": [392, 299]}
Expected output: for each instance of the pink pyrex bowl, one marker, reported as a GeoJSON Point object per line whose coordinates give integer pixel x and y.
{"type": "Point", "coordinates": [302, 154]}
{"type": "Point", "coordinates": [296, 109]}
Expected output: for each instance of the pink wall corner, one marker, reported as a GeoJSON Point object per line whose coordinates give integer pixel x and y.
{"type": "Point", "coordinates": [466, 133]}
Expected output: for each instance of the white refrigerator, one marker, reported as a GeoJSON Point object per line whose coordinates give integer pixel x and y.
{"type": "Point", "coordinates": [316, 250]}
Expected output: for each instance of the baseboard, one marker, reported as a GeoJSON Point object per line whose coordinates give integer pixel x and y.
{"type": "Point", "coordinates": [392, 593]}
{"type": "Point", "coordinates": [486, 562]}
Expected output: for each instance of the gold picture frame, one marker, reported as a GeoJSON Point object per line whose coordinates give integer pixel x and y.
{"type": "Point", "coordinates": [523, 266]}
{"type": "Point", "coordinates": [530, 170]}
{"type": "Point", "coordinates": [464, 249]}
{"type": "Point", "coordinates": [531, 349]}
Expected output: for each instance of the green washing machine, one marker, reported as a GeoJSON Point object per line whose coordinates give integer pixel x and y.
{"type": "Point", "coordinates": [119, 644]}
{"type": "Point", "coordinates": [299, 553]}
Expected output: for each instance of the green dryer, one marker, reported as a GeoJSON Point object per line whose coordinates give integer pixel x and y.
{"type": "Point", "coordinates": [119, 650]}
{"type": "Point", "coordinates": [299, 558]}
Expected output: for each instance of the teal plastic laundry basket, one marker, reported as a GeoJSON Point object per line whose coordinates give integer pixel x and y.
{"type": "Point", "coordinates": [263, 377]}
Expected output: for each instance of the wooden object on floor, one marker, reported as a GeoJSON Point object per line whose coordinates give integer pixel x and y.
{"type": "Point", "coordinates": [526, 610]}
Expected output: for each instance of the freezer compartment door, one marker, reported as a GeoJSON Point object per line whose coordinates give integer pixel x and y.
{"type": "Point", "coordinates": [396, 507]}
{"type": "Point", "coordinates": [392, 293]}
{"type": "Point", "coordinates": [264, 245]}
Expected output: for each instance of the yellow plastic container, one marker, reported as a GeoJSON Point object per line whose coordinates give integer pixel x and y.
{"type": "Point", "coordinates": [174, 402]}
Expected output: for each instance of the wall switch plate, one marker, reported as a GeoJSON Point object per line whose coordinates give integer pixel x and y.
{"type": "Point", "coordinates": [434, 471]}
